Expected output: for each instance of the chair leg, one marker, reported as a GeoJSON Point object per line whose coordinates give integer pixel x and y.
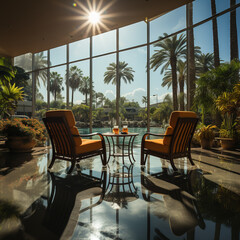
{"type": "Point", "coordinates": [52, 162]}
{"type": "Point", "coordinates": [104, 158]}
{"type": "Point", "coordinates": [142, 157]}
{"type": "Point", "coordinates": [190, 159]}
{"type": "Point", "coordinates": [172, 163]}
{"type": "Point", "coordinates": [72, 166]}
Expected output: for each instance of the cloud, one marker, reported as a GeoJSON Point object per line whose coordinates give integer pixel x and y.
{"type": "Point", "coordinates": [179, 25]}
{"type": "Point", "coordinates": [110, 94]}
{"type": "Point", "coordinates": [78, 101]}
{"type": "Point", "coordinates": [159, 98]}
{"type": "Point", "coordinates": [136, 95]}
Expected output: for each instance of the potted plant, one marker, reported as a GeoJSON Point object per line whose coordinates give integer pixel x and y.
{"type": "Point", "coordinates": [229, 103]}
{"type": "Point", "coordinates": [226, 134]}
{"type": "Point", "coordinates": [206, 135]}
{"type": "Point", "coordinates": [23, 134]}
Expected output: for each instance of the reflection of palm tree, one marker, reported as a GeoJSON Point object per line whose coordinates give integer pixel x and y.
{"type": "Point", "coordinates": [75, 76]}
{"type": "Point", "coordinates": [144, 100]}
{"type": "Point", "coordinates": [215, 35]}
{"type": "Point", "coordinates": [204, 63]}
{"type": "Point", "coordinates": [85, 87]}
{"type": "Point", "coordinates": [181, 74]}
{"type": "Point", "coordinates": [125, 74]}
{"type": "Point", "coordinates": [55, 84]}
{"type": "Point", "coordinates": [171, 50]}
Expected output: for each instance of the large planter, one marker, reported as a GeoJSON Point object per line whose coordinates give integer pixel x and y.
{"type": "Point", "coordinates": [20, 144]}
{"type": "Point", "coordinates": [227, 143]}
{"type": "Point", "coordinates": [206, 143]}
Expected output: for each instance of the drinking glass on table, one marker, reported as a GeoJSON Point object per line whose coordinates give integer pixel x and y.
{"type": "Point", "coordinates": [125, 129]}
{"type": "Point", "coordinates": [115, 130]}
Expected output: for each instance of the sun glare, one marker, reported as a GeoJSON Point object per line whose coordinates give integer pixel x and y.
{"type": "Point", "coordinates": [94, 17]}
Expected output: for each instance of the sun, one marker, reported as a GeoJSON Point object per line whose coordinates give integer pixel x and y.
{"type": "Point", "coordinates": [94, 17]}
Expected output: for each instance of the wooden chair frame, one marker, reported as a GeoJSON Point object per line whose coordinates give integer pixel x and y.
{"type": "Point", "coordinates": [63, 145]}
{"type": "Point", "coordinates": [185, 127]}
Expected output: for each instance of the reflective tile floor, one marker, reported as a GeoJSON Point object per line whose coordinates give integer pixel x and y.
{"type": "Point", "coordinates": [120, 201]}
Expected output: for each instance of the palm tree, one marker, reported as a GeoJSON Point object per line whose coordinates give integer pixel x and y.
{"type": "Point", "coordinates": [85, 87]}
{"type": "Point", "coordinates": [171, 50]}
{"type": "Point", "coordinates": [125, 73]}
{"type": "Point", "coordinates": [55, 84]}
{"type": "Point", "coordinates": [191, 75]}
{"type": "Point", "coordinates": [40, 62]}
{"type": "Point", "coordinates": [100, 98]}
{"type": "Point", "coordinates": [181, 75]}
{"type": "Point", "coordinates": [205, 62]}
{"type": "Point", "coordinates": [144, 100]}
{"type": "Point", "coordinates": [75, 76]}
{"type": "Point", "coordinates": [215, 35]}
{"type": "Point", "coordinates": [233, 32]}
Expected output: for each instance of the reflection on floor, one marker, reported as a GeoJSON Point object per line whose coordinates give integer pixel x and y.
{"type": "Point", "coordinates": [120, 201]}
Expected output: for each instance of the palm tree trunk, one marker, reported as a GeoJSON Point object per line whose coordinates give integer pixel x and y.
{"type": "Point", "coordinates": [217, 231]}
{"type": "Point", "coordinates": [181, 91]}
{"type": "Point", "coordinates": [86, 99]}
{"type": "Point", "coordinates": [55, 96]}
{"type": "Point", "coordinates": [173, 62]}
{"type": "Point", "coordinates": [72, 97]}
{"type": "Point", "coordinates": [215, 35]}
{"type": "Point", "coordinates": [233, 32]}
{"type": "Point", "coordinates": [191, 58]}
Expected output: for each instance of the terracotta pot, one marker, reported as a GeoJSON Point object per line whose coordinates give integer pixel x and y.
{"type": "Point", "coordinates": [227, 143]}
{"type": "Point", "coordinates": [20, 144]}
{"type": "Point", "coordinates": [206, 143]}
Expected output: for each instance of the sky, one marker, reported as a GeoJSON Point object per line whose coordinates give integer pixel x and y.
{"type": "Point", "coordinates": [136, 34]}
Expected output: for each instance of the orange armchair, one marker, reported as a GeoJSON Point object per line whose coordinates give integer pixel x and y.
{"type": "Point", "coordinates": [176, 142]}
{"type": "Point", "coordinates": [67, 144]}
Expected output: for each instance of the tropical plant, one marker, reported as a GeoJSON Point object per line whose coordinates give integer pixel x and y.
{"type": "Point", "coordinates": [55, 84]}
{"type": "Point", "coordinates": [206, 132]}
{"type": "Point", "coordinates": [162, 114]}
{"type": "Point", "coordinates": [7, 71]}
{"type": "Point", "coordinates": [228, 104]}
{"type": "Point", "coordinates": [85, 87]}
{"type": "Point", "coordinates": [125, 73]}
{"type": "Point", "coordinates": [24, 128]}
{"type": "Point", "coordinates": [213, 83]}
{"type": "Point", "coordinates": [204, 63]}
{"type": "Point", "coordinates": [75, 77]}
{"type": "Point", "coordinates": [144, 100]}
{"type": "Point", "coordinates": [171, 50]}
{"type": "Point", "coordinates": [9, 97]}
{"type": "Point", "coordinates": [81, 112]}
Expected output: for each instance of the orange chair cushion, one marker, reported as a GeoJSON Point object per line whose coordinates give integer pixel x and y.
{"type": "Point", "coordinates": [68, 114]}
{"type": "Point", "coordinates": [156, 145]}
{"type": "Point", "coordinates": [176, 114]}
{"type": "Point", "coordinates": [167, 140]}
{"type": "Point", "coordinates": [88, 145]}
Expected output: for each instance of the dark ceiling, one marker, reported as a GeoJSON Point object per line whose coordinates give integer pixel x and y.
{"type": "Point", "coordinates": [37, 25]}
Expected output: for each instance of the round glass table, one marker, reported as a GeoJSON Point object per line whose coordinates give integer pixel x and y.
{"type": "Point", "coordinates": [127, 142]}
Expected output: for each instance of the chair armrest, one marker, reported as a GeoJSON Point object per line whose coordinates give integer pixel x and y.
{"type": "Point", "coordinates": [91, 135]}
{"type": "Point", "coordinates": [156, 135]}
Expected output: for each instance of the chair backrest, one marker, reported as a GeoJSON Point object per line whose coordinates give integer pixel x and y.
{"type": "Point", "coordinates": [182, 126]}
{"type": "Point", "coordinates": [70, 119]}
{"type": "Point", "coordinates": [60, 135]}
